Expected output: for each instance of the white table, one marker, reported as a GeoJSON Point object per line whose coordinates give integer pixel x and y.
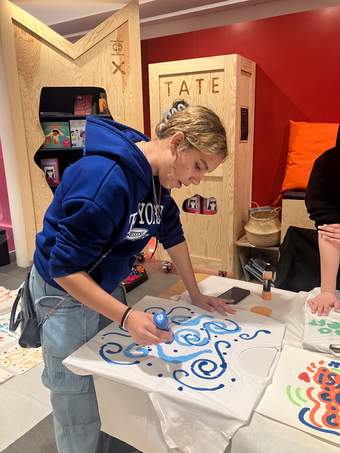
{"type": "Point", "coordinates": [127, 413]}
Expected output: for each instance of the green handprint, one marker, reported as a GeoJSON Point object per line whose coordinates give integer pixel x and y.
{"type": "Point", "coordinates": [319, 323]}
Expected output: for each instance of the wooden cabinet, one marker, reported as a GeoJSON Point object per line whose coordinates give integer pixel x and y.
{"type": "Point", "coordinates": [225, 84]}
{"type": "Point", "coordinates": [63, 112]}
{"type": "Point", "coordinates": [35, 57]}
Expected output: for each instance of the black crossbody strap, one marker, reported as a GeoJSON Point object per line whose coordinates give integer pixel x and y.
{"type": "Point", "coordinates": [15, 320]}
{"type": "Point", "coordinates": [14, 323]}
{"type": "Point", "coordinates": [53, 309]}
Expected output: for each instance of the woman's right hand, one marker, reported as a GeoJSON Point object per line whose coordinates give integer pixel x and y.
{"type": "Point", "coordinates": [143, 331]}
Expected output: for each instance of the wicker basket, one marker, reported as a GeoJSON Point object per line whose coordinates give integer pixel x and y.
{"type": "Point", "coordinates": [263, 228]}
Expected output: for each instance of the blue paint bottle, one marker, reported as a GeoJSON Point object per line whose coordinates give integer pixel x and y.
{"type": "Point", "coordinates": [162, 322]}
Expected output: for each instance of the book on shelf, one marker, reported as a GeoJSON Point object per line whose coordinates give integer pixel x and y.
{"type": "Point", "coordinates": [57, 134]}
{"type": "Point", "coordinates": [258, 263]}
{"type": "Point", "coordinates": [256, 267]}
{"type": "Point", "coordinates": [50, 168]}
{"type": "Point", "coordinates": [253, 272]}
{"type": "Point", "coordinates": [209, 206]}
{"type": "Point", "coordinates": [77, 130]}
{"type": "Point", "coordinates": [102, 104]}
{"type": "Point", "coordinates": [193, 204]}
{"type": "Point", "coordinates": [83, 104]}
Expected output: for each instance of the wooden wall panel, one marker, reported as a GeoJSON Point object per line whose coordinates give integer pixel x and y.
{"type": "Point", "coordinates": [107, 57]}
{"type": "Point", "coordinates": [294, 213]}
{"type": "Point", "coordinates": [221, 83]}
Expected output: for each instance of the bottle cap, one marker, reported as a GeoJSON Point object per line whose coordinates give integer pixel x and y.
{"type": "Point", "coordinates": [268, 267]}
{"type": "Point", "coordinates": [161, 321]}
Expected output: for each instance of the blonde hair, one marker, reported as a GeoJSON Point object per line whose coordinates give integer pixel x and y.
{"type": "Point", "coordinates": [201, 127]}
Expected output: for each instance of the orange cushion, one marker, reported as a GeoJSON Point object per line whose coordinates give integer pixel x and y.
{"type": "Point", "coordinates": [306, 142]}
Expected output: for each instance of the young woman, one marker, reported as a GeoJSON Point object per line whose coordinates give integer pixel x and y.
{"type": "Point", "coordinates": [106, 208]}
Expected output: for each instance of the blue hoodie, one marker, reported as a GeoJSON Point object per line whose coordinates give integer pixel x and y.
{"type": "Point", "coordinates": [104, 201]}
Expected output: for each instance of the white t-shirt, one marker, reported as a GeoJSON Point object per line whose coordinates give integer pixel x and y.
{"type": "Point", "coordinates": [205, 384]}
{"type": "Point", "coordinates": [305, 394]}
{"type": "Point", "coordinates": [286, 307]}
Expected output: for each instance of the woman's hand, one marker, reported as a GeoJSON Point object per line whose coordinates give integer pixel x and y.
{"type": "Point", "coordinates": [330, 233]}
{"type": "Point", "coordinates": [143, 331]}
{"type": "Point", "coordinates": [322, 303]}
{"type": "Point", "coordinates": [211, 303]}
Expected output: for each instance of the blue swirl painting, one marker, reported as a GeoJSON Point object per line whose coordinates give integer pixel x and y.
{"type": "Point", "coordinates": [205, 366]}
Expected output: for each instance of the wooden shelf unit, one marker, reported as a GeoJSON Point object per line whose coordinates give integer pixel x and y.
{"type": "Point", "coordinates": [245, 251]}
{"type": "Point", "coordinates": [57, 105]}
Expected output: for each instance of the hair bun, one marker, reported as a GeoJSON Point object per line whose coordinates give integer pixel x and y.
{"type": "Point", "coordinates": [177, 106]}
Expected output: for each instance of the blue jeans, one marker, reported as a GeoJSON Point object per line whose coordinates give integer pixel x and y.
{"type": "Point", "coordinates": [73, 398]}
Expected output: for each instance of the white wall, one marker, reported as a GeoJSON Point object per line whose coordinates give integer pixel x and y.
{"type": "Point", "coordinates": [162, 17]}
{"type": "Point", "coordinates": [12, 177]}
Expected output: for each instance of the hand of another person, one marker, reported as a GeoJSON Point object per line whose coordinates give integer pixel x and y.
{"type": "Point", "coordinates": [211, 303]}
{"type": "Point", "coordinates": [322, 303]}
{"type": "Point", "coordinates": [143, 331]}
{"type": "Point", "coordinates": [330, 232]}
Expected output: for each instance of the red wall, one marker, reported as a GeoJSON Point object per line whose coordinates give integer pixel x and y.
{"type": "Point", "coordinates": [298, 78]}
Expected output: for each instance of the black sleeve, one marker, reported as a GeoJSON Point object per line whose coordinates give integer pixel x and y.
{"type": "Point", "coordinates": [323, 194]}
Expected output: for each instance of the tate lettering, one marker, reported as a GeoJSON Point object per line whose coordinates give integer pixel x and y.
{"type": "Point", "coordinates": [183, 88]}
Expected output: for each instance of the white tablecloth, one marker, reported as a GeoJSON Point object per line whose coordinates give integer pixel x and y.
{"type": "Point", "coordinates": [128, 413]}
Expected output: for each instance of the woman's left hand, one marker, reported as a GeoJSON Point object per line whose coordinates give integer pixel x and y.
{"type": "Point", "coordinates": [211, 303]}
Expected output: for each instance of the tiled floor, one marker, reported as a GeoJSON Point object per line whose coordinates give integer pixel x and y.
{"type": "Point", "coordinates": [11, 276]}
{"type": "Point", "coordinates": [40, 439]}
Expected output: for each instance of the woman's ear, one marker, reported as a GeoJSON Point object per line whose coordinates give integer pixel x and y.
{"type": "Point", "coordinates": [175, 142]}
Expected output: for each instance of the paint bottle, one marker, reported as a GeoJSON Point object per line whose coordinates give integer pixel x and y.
{"type": "Point", "coordinates": [267, 280]}
{"type": "Point", "coordinates": [162, 322]}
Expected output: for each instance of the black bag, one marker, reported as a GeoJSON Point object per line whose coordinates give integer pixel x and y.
{"type": "Point", "coordinates": [26, 318]}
